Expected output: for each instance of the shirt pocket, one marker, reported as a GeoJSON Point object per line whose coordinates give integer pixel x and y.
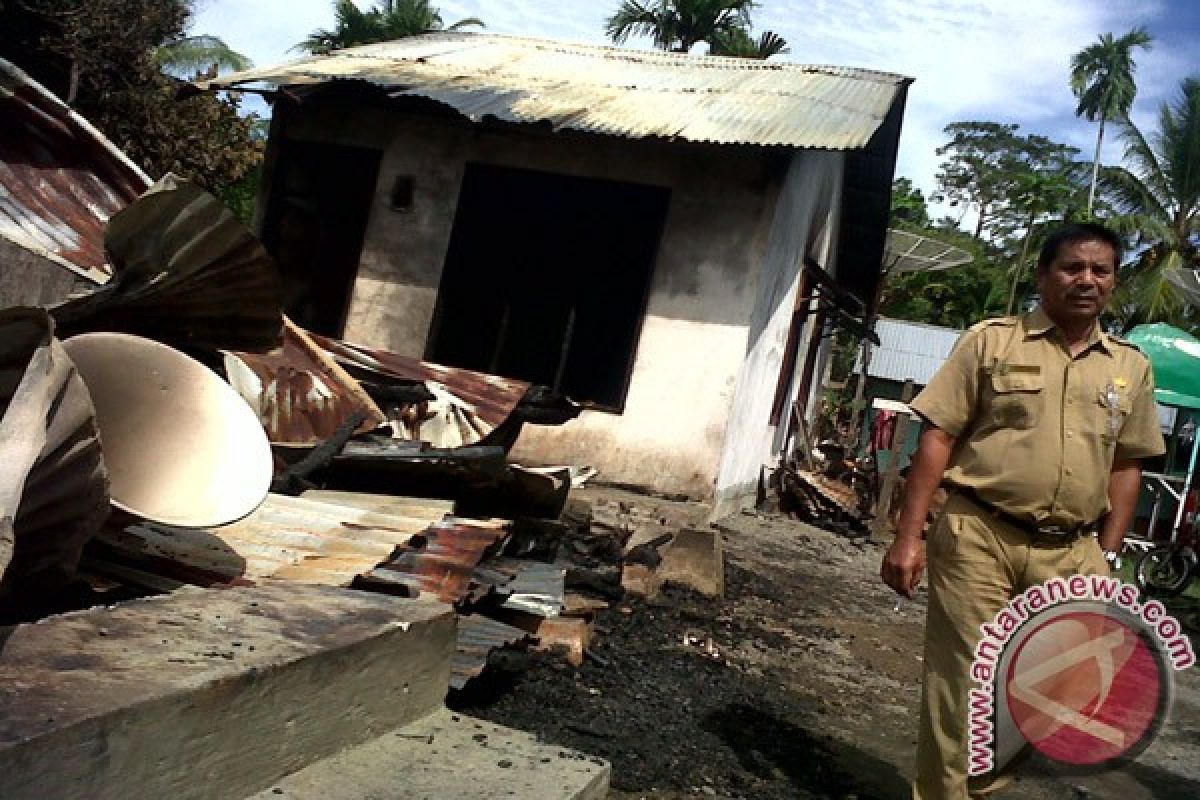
{"type": "Point", "coordinates": [1017, 399]}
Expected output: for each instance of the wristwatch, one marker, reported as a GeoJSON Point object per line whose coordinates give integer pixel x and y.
{"type": "Point", "coordinates": [1113, 558]}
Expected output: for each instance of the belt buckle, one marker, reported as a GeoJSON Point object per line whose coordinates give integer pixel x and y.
{"type": "Point", "coordinates": [1057, 533]}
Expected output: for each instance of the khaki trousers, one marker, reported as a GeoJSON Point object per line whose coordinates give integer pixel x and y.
{"type": "Point", "coordinates": [976, 564]}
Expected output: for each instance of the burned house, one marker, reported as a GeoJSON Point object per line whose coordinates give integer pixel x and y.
{"type": "Point", "coordinates": [630, 228]}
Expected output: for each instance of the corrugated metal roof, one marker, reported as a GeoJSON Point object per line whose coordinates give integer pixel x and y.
{"type": "Point", "coordinates": [909, 350]}
{"type": "Point", "coordinates": [60, 178]}
{"type": "Point", "coordinates": [611, 90]}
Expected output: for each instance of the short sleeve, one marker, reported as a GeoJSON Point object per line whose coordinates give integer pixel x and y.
{"type": "Point", "coordinates": [1141, 436]}
{"type": "Point", "coordinates": [948, 402]}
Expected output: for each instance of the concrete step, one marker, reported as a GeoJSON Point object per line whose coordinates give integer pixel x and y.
{"type": "Point", "coordinates": [449, 756]}
{"type": "Point", "coordinates": [211, 693]}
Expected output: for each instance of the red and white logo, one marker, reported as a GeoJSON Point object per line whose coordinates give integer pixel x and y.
{"type": "Point", "coordinates": [1079, 669]}
{"type": "Point", "coordinates": [1086, 686]}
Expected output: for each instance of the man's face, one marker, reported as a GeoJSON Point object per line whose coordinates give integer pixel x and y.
{"type": "Point", "coordinates": [1076, 285]}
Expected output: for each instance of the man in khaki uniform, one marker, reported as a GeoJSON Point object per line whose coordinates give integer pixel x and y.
{"type": "Point", "coordinates": [1036, 425]}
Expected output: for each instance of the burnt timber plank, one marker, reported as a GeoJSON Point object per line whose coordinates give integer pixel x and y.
{"type": "Point", "coordinates": [211, 693]}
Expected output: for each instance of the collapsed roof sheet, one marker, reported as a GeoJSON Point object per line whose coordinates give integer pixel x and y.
{"type": "Point", "coordinates": [60, 178]}
{"type": "Point", "coordinates": [492, 397]}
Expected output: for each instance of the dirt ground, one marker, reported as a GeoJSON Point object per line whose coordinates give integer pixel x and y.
{"type": "Point", "coordinates": [801, 683]}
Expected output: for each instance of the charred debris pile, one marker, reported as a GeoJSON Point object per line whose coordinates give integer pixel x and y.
{"type": "Point", "coordinates": [172, 428]}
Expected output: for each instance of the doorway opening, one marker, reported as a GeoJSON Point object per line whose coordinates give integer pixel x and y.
{"type": "Point", "coordinates": [546, 280]}
{"type": "Point", "coordinates": [314, 225]}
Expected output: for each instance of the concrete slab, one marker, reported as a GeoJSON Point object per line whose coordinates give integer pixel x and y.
{"type": "Point", "coordinates": [211, 693]}
{"type": "Point", "coordinates": [695, 558]}
{"type": "Point", "coordinates": [449, 756]}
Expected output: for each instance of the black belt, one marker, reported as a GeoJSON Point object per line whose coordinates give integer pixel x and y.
{"type": "Point", "coordinates": [1041, 534]}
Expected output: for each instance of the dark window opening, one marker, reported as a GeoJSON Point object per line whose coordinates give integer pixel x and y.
{"type": "Point", "coordinates": [546, 280]}
{"type": "Point", "coordinates": [314, 225]}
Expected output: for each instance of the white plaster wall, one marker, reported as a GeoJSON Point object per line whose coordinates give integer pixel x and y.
{"type": "Point", "coordinates": [705, 286]}
{"type": "Point", "coordinates": [670, 436]}
{"type": "Point", "coordinates": [805, 223]}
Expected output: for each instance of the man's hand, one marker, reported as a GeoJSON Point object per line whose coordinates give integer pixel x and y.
{"type": "Point", "coordinates": [904, 564]}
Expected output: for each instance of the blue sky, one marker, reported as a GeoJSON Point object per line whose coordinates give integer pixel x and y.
{"type": "Point", "coordinates": [1001, 60]}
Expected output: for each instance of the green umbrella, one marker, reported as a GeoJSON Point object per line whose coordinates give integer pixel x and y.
{"type": "Point", "coordinates": [1175, 356]}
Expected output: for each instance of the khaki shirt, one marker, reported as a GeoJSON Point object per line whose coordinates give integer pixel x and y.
{"type": "Point", "coordinates": [1037, 430]}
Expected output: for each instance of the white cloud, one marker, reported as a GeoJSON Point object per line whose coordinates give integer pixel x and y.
{"type": "Point", "coordinates": [1005, 60]}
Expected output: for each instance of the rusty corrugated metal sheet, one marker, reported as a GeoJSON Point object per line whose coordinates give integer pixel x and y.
{"type": "Point", "coordinates": [442, 564]}
{"type": "Point", "coordinates": [491, 397]}
{"type": "Point", "coordinates": [611, 90]}
{"type": "Point", "coordinates": [53, 482]}
{"type": "Point", "coordinates": [60, 178]}
{"type": "Point", "coordinates": [287, 538]}
{"type": "Point", "coordinates": [188, 273]}
{"type": "Point", "coordinates": [300, 394]}
{"type": "Point", "coordinates": [478, 636]}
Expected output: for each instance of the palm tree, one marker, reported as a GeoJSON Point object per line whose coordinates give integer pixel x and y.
{"type": "Point", "coordinates": [192, 55]}
{"type": "Point", "coordinates": [391, 19]}
{"type": "Point", "coordinates": [679, 25]}
{"type": "Point", "coordinates": [1102, 79]}
{"type": "Point", "coordinates": [1158, 200]}
{"type": "Point", "coordinates": [740, 44]}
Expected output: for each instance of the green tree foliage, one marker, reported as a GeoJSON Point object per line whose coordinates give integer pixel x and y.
{"type": "Point", "coordinates": [909, 208]}
{"type": "Point", "coordinates": [981, 160]}
{"type": "Point", "coordinates": [190, 56]}
{"type": "Point", "coordinates": [680, 25]}
{"type": "Point", "coordinates": [1102, 79]}
{"type": "Point", "coordinates": [1018, 185]}
{"type": "Point", "coordinates": [390, 20]}
{"type": "Point", "coordinates": [1156, 197]}
{"type": "Point", "coordinates": [738, 43]}
{"type": "Point", "coordinates": [100, 57]}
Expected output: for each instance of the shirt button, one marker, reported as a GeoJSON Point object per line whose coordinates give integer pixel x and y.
{"type": "Point", "coordinates": [1069, 435]}
{"type": "Point", "coordinates": [1068, 471]}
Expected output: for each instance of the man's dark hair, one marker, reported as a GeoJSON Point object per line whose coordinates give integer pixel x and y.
{"type": "Point", "coordinates": [1077, 232]}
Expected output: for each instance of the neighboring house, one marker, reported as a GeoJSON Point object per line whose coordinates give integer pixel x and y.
{"type": "Point", "coordinates": [626, 226]}
{"type": "Point", "coordinates": [60, 181]}
{"type": "Point", "coordinates": [907, 351]}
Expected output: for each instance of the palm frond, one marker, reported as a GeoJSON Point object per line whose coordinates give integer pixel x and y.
{"type": "Point", "coordinates": [391, 19]}
{"type": "Point", "coordinates": [1128, 195]}
{"type": "Point", "coordinates": [635, 18]}
{"type": "Point", "coordinates": [1177, 145]}
{"type": "Point", "coordinates": [193, 54]}
{"type": "Point", "coordinates": [469, 22]}
{"type": "Point", "coordinates": [1102, 75]}
{"type": "Point", "coordinates": [1144, 163]}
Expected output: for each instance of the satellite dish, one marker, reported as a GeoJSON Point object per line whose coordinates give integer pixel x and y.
{"type": "Point", "coordinates": [911, 252]}
{"type": "Point", "coordinates": [181, 446]}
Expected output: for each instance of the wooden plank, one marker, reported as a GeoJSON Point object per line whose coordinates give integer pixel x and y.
{"type": "Point", "coordinates": [207, 693]}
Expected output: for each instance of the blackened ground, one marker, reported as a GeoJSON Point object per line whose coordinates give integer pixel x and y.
{"type": "Point", "coordinates": [801, 683]}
